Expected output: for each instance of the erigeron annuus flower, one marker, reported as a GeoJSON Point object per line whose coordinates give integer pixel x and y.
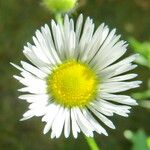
{"type": "Point", "coordinates": [75, 77]}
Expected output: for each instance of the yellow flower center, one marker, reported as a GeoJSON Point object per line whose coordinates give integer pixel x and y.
{"type": "Point", "coordinates": [72, 84]}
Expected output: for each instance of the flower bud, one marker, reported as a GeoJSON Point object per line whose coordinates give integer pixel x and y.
{"type": "Point", "coordinates": [59, 6]}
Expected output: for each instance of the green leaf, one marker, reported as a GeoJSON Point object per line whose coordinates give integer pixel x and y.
{"type": "Point", "coordinates": [143, 49]}
{"type": "Point", "coordinates": [139, 140]}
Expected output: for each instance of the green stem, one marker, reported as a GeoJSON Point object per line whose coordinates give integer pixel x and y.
{"type": "Point", "coordinates": [92, 143]}
{"type": "Point", "coordinates": [58, 17]}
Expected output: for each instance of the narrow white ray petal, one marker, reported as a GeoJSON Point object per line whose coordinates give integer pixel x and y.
{"type": "Point", "coordinates": [21, 80]}
{"type": "Point", "coordinates": [30, 80]}
{"type": "Point", "coordinates": [124, 69]}
{"type": "Point", "coordinates": [94, 50]}
{"type": "Point", "coordinates": [53, 135]}
{"type": "Point", "coordinates": [121, 78]}
{"type": "Point", "coordinates": [117, 109]}
{"type": "Point", "coordinates": [108, 45]}
{"type": "Point", "coordinates": [16, 66]}
{"type": "Point", "coordinates": [62, 120]}
{"type": "Point", "coordinates": [71, 45]}
{"type": "Point", "coordinates": [26, 118]}
{"type": "Point", "coordinates": [98, 128]}
{"type": "Point", "coordinates": [33, 90]}
{"type": "Point", "coordinates": [50, 45]}
{"type": "Point", "coordinates": [123, 99]}
{"type": "Point", "coordinates": [58, 123]}
{"type": "Point", "coordinates": [28, 75]}
{"type": "Point", "coordinates": [38, 104]}
{"type": "Point", "coordinates": [84, 124]}
{"type": "Point", "coordinates": [84, 45]}
{"type": "Point", "coordinates": [57, 37]}
{"type": "Point", "coordinates": [36, 61]}
{"type": "Point", "coordinates": [75, 127]}
{"type": "Point", "coordinates": [69, 38]}
{"type": "Point", "coordinates": [47, 46]}
{"type": "Point", "coordinates": [50, 116]}
{"type": "Point", "coordinates": [116, 51]}
{"type": "Point", "coordinates": [18, 78]}
{"type": "Point", "coordinates": [28, 113]}
{"type": "Point", "coordinates": [71, 25]}
{"type": "Point", "coordinates": [66, 26]}
{"type": "Point", "coordinates": [78, 28]}
{"type": "Point", "coordinates": [39, 48]}
{"type": "Point", "coordinates": [30, 98]}
{"type": "Point", "coordinates": [35, 71]}
{"type": "Point", "coordinates": [95, 43]}
{"type": "Point", "coordinates": [109, 38]}
{"type": "Point", "coordinates": [85, 37]}
{"type": "Point", "coordinates": [67, 123]}
{"type": "Point", "coordinates": [24, 72]}
{"type": "Point", "coordinates": [39, 111]}
{"type": "Point", "coordinates": [43, 43]}
{"type": "Point", "coordinates": [49, 110]}
{"type": "Point", "coordinates": [119, 68]}
{"type": "Point", "coordinates": [119, 86]}
{"type": "Point", "coordinates": [104, 119]}
{"type": "Point", "coordinates": [37, 51]}
{"type": "Point", "coordinates": [101, 109]}
{"type": "Point", "coordinates": [65, 31]}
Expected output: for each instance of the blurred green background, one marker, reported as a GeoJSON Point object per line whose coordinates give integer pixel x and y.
{"type": "Point", "coordinates": [18, 21]}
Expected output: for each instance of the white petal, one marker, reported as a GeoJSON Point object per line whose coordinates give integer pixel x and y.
{"type": "Point", "coordinates": [28, 114]}
{"type": "Point", "coordinates": [26, 118]}
{"type": "Point", "coordinates": [118, 68]}
{"type": "Point", "coordinates": [16, 66]}
{"type": "Point", "coordinates": [84, 124]}
{"type": "Point", "coordinates": [36, 61]}
{"type": "Point", "coordinates": [78, 28]}
{"type": "Point", "coordinates": [35, 71]}
{"type": "Point", "coordinates": [101, 109]}
{"type": "Point", "coordinates": [38, 104]}
{"type": "Point", "coordinates": [30, 80]}
{"type": "Point", "coordinates": [102, 118]}
{"type": "Point", "coordinates": [85, 37]}
{"type": "Point", "coordinates": [122, 78]}
{"type": "Point", "coordinates": [118, 109]}
{"type": "Point", "coordinates": [30, 98]}
{"type": "Point", "coordinates": [58, 40]}
{"type": "Point", "coordinates": [98, 128]}
{"type": "Point", "coordinates": [75, 127]}
{"type": "Point", "coordinates": [42, 45]}
{"type": "Point", "coordinates": [95, 43]}
{"type": "Point", "coordinates": [123, 99]}
{"type": "Point", "coordinates": [58, 123]}
{"type": "Point", "coordinates": [116, 52]}
{"type": "Point", "coordinates": [114, 87]}
{"type": "Point", "coordinates": [37, 51]}
{"type": "Point", "coordinates": [67, 123]}
{"type": "Point", "coordinates": [33, 90]}
{"type": "Point", "coordinates": [50, 116]}
{"type": "Point", "coordinates": [50, 44]}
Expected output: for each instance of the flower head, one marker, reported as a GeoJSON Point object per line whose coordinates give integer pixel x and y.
{"type": "Point", "coordinates": [75, 77]}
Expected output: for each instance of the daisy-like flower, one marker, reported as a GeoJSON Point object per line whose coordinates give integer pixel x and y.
{"type": "Point", "coordinates": [75, 77]}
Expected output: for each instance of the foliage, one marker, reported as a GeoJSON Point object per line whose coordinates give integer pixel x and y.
{"type": "Point", "coordinates": [143, 48]}
{"type": "Point", "coordinates": [139, 140]}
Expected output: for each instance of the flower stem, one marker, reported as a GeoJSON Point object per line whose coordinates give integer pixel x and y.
{"type": "Point", "coordinates": [92, 143]}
